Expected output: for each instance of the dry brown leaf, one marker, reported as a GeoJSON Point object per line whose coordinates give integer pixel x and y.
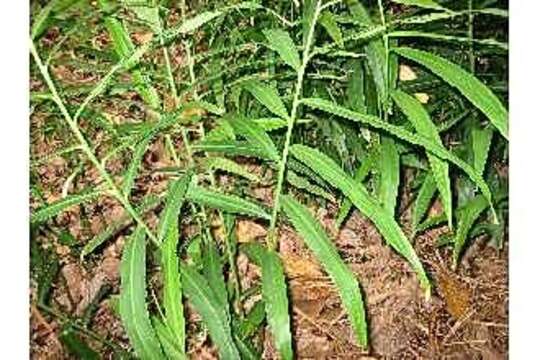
{"type": "Point", "coordinates": [296, 266]}
{"type": "Point", "coordinates": [247, 231]}
{"type": "Point", "coordinates": [457, 296]}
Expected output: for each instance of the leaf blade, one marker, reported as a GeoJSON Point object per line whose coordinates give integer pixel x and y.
{"type": "Point", "coordinates": [472, 88]}
{"type": "Point", "coordinates": [418, 116]}
{"type": "Point", "coordinates": [133, 310]}
{"type": "Point", "coordinates": [274, 291]}
{"type": "Point", "coordinates": [318, 242]}
{"type": "Point", "coordinates": [168, 234]}
{"type": "Point", "coordinates": [360, 197]}
{"type": "Point", "coordinates": [214, 317]}
{"type": "Point", "coordinates": [268, 96]}
{"type": "Point", "coordinates": [225, 202]}
{"type": "Point", "coordinates": [403, 134]}
{"type": "Point", "coordinates": [280, 41]}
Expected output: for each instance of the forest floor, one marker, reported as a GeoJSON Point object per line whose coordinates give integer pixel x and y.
{"type": "Point", "coordinates": [466, 317]}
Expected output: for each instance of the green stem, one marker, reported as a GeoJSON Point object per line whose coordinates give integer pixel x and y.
{"type": "Point", "coordinates": [85, 147]}
{"type": "Point", "coordinates": [471, 37]}
{"type": "Point", "coordinates": [306, 56]}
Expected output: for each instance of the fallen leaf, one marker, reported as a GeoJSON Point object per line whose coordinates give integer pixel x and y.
{"type": "Point", "coordinates": [247, 231]}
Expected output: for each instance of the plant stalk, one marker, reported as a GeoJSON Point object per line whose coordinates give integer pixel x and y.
{"type": "Point", "coordinates": [85, 147]}
{"type": "Point", "coordinates": [306, 56]}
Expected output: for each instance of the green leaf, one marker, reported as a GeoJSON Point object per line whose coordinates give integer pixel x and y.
{"type": "Point", "coordinates": [168, 234]}
{"type": "Point", "coordinates": [45, 17]}
{"type": "Point", "coordinates": [211, 310]}
{"type": "Point", "coordinates": [274, 291]}
{"type": "Point", "coordinates": [196, 22]}
{"type": "Point", "coordinates": [230, 166]}
{"type": "Point", "coordinates": [42, 21]}
{"type": "Point", "coordinates": [328, 21]}
{"type": "Point", "coordinates": [359, 176]}
{"type": "Point", "coordinates": [281, 41]}
{"type": "Point", "coordinates": [167, 340]}
{"type": "Point", "coordinates": [400, 132]}
{"type": "Point", "coordinates": [249, 325]}
{"type": "Point", "coordinates": [241, 148]}
{"type": "Point", "coordinates": [481, 142]}
{"type": "Point", "coordinates": [389, 174]}
{"type": "Point", "coordinates": [51, 210]}
{"type": "Point", "coordinates": [75, 345]}
{"type": "Point", "coordinates": [302, 183]}
{"type": "Point", "coordinates": [419, 117]}
{"type": "Point", "coordinates": [426, 4]}
{"type": "Point", "coordinates": [369, 206]}
{"type": "Point", "coordinates": [225, 202]}
{"type": "Point", "coordinates": [255, 135]}
{"type": "Point", "coordinates": [270, 124]}
{"type": "Point", "coordinates": [133, 310]}
{"type": "Point", "coordinates": [136, 159]}
{"type": "Point", "coordinates": [375, 50]}
{"type": "Point", "coordinates": [213, 272]}
{"type": "Point", "coordinates": [449, 38]}
{"type": "Point", "coordinates": [147, 12]}
{"type": "Point", "coordinates": [124, 48]}
{"type": "Point", "coordinates": [268, 96]}
{"type": "Point", "coordinates": [468, 215]}
{"type": "Point", "coordinates": [316, 239]}
{"type": "Point", "coordinates": [423, 200]}
{"type": "Point", "coordinates": [472, 88]}
{"type": "Point", "coordinates": [175, 199]}
{"type": "Point", "coordinates": [254, 252]}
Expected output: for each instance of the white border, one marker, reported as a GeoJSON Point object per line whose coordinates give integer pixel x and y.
{"type": "Point", "coordinates": [14, 150]}
{"type": "Point", "coordinates": [524, 183]}
{"type": "Point", "coordinates": [524, 179]}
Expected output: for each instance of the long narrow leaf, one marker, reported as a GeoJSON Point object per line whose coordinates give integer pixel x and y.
{"type": "Point", "coordinates": [230, 166]}
{"type": "Point", "coordinates": [211, 310]}
{"type": "Point", "coordinates": [389, 167]}
{"type": "Point", "coordinates": [375, 50]}
{"type": "Point", "coordinates": [274, 291]}
{"type": "Point", "coordinates": [241, 148]}
{"type": "Point", "coordinates": [168, 233]}
{"type": "Point", "coordinates": [423, 200]}
{"type": "Point", "coordinates": [472, 88]}
{"type": "Point", "coordinates": [213, 272]}
{"type": "Point", "coordinates": [328, 21]}
{"type": "Point", "coordinates": [255, 135]}
{"type": "Point", "coordinates": [133, 167]}
{"type": "Point", "coordinates": [418, 116]}
{"type": "Point", "coordinates": [281, 41]}
{"type": "Point", "coordinates": [133, 310]}
{"type": "Point", "coordinates": [360, 197]}
{"type": "Point", "coordinates": [316, 239]}
{"type": "Point", "coordinates": [417, 139]}
{"type": "Point", "coordinates": [467, 217]}
{"type": "Point", "coordinates": [225, 202]}
{"type": "Point", "coordinates": [268, 96]}
{"type": "Point", "coordinates": [426, 4]}
{"type": "Point", "coordinates": [481, 142]}
{"type": "Point", "coordinates": [51, 210]}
